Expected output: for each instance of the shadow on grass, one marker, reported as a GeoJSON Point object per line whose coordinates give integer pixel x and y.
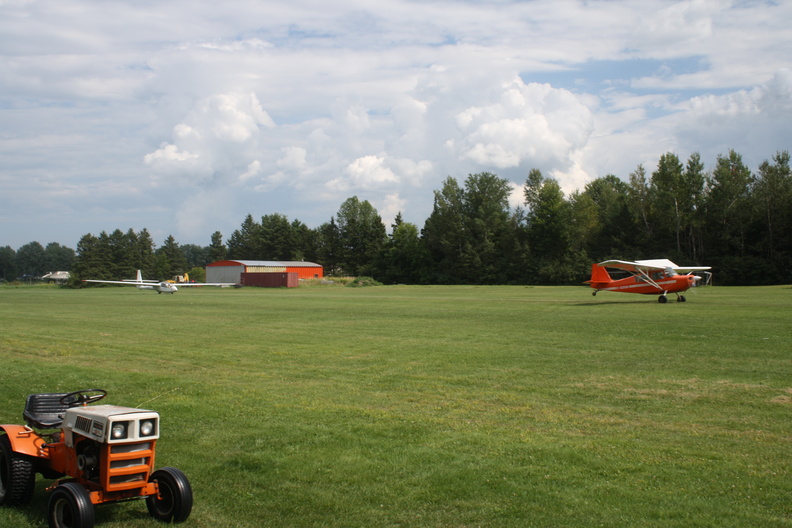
{"type": "Point", "coordinates": [112, 514]}
{"type": "Point", "coordinates": [605, 303]}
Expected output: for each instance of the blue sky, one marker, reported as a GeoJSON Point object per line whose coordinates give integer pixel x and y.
{"type": "Point", "coordinates": [183, 117]}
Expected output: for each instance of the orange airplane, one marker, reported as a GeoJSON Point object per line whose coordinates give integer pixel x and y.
{"type": "Point", "coordinates": [648, 277]}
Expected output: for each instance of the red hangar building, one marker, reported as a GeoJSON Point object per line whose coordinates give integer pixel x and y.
{"type": "Point", "coordinates": [233, 270]}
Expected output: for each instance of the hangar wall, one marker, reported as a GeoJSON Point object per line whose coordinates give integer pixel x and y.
{"type": "Point", "coordinates": [232, 270]}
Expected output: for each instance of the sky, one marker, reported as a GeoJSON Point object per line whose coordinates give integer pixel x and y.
{"type": "Point", "coordinates": [184, 116]}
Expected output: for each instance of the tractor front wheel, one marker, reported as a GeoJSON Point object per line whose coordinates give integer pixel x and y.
{"type": "Point", "coordinates": [70, 507]}
{"type": "Point", "coordinates": [173, 502]}
{"type": "Point", "coordinates": [17, 476]}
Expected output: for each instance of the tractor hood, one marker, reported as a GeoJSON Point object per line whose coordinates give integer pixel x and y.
{"type": "Point", "coordinates": [111, 424]}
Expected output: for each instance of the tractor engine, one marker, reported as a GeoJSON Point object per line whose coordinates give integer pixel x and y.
{"type": "Point", "coordinates": [113, 446]}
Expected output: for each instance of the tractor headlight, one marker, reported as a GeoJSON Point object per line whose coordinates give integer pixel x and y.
{"type": "Point", "coordinates": [119, 430]}
{"type": "Point", "coordinates": [147, 428]}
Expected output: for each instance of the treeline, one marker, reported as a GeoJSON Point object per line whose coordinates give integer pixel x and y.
{"type": "Point", "coordinates": [737, 221]}
{"type": "Point", "coordinates": [34, 260]}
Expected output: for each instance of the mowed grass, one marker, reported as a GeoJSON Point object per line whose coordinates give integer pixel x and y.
{"type": "Point", "coordinates": [407, 406]}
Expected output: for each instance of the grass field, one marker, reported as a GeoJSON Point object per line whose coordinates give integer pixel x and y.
{"type": "Point", "coordinates": [405, 406]}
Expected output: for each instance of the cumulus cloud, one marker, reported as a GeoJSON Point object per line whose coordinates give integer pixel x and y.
{"type": "Point", "coordinates": [366, 173]}
{"type": "Point", "coordinates": [220, 136]}
{"type": "Point", "coordinates": [168, 153]}
{"type": "Point", "coordinates": [292, 108]}
{"type": "Point", "coordinates": [390, 206]}
{"type": "Point", "coordinates": [532, 124]}
{"type": "Point", "coordinates": [253, 169]}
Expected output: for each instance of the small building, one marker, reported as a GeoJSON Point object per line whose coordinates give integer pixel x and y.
{"type": "Point", "coordinates": [270, 280]}
{"type": "Point", "coordinates": [232, 270]}
{"type": "Point", "coordinates": [56, 276]}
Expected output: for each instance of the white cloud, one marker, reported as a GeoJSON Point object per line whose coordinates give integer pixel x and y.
{"type": "Point", "coordinates": [528, 124]}
{"type": "Point", "coordinates": [168, 153]}
{"type": "Point", "coordinates": [391, 205]}
{"type": "Point", "coordinates": [253, 168]}
{"type": "Point", "coordinates": [294, 158]}
{"type": "Point", "coordinates": [367, 172]}
{"type": "Point", "coordinates": [292, 108]}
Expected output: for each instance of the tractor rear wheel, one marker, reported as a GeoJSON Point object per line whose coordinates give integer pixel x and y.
{"type": "Point", "coordinates": [70, 507]}
{"type": "Point", "coordinates": [17, 476]}
{"type": "Point", "coordinates": [174, 501]}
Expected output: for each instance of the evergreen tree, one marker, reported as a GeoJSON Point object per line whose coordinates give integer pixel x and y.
{"type": "Point", "coordinates": [245, 242]}
{"type": "Point", "coordinates": [728, 214]}
{"type": "Point", "coordinates": [612, 235]}
{"type": "Point", "coordinates": [773, 217]}
{"type": "Point", "coordinates": [175, 262]}
{"type": "Point", "coordinates": [8, 269]}
{"type": "Point", "coordinates": [143, 253]}
{"type": "Point", "coordinates": [694, 180]}
{"type": "Point", "coordinates": [548, 221]}
{"type": "Point", "coordinates": [729, 190]}
{"type": "Point", "coordinates": [277, 241]}
{"type": "Point", "coordinates": [667, 198]}
{"type": "Point", "coordinates": [640, 205]}
{"type": "Point", "coordinates": [88, 263]}
{"type": "Point", "coordinates": [403, 255]}
{"type": "Point", "coordinates": [329, 247]}
{"type": "Point", "coordinates": [488, 229]}
{"type": "Point", "coordinates": [306, 243]}
{"type": "Point", "coordinates": [361, 234]}
{"type": "Point", "coordinates": [444, 234]}
{"type": "Point", "coordinates": [217, 250]}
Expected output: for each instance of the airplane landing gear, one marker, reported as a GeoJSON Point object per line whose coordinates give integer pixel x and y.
{"type": "Point", "coordinates": [662, 299]}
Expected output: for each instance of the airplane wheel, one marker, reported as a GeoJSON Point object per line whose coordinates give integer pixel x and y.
{"type": "Point", "coordinates": [662, 299]}
{"type": "Point", "coordinates": [174, 501]}
{"type": "Point", "coordinates": [17, 477]}
{"type": "Point", "coordinates": [681, 298]}
{"type": "Point", "coordinates": [70, 507]}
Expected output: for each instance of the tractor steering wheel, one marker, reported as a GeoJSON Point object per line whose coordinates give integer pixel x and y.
{"type": "Point", "coordinates": [83, 397]}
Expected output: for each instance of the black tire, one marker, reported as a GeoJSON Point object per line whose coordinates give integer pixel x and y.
{"type": "Point", "coordinates": [175, 499]}
{"type": "Point", "coordinates": [70, 507]}
{"type": "Point", "coordinates": [17, 475]}
{"type": "Point", "coordinates": [681, 298]}
{"type": "Point", "coordinates": [662, 299]}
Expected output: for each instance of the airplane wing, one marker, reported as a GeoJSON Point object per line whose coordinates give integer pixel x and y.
{"type": "Point", "coordinates": [650, 265]}
{"type": "Point", "coordinates": [221, 284]}
{"type": "Point", "coordinates": [126, 283]}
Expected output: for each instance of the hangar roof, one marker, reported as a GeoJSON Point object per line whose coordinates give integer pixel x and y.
{"type": "Point", "coordinates": [267, 263]}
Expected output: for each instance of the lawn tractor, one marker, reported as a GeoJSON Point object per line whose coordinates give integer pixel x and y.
{"type": "Point", "coordinates": [96, 454]}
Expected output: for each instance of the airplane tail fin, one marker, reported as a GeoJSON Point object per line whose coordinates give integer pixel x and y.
{"type": "Point", "coordinates": [598, 275]}
{"type": "Point", "coordinates": [139, 277]}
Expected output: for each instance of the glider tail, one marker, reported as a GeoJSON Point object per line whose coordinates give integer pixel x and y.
{"type": "Point", "coordinates": [139, 277]}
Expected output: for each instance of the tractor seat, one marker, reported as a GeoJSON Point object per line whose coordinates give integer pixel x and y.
{"type": "Point", "coordinates": [44, 411]}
